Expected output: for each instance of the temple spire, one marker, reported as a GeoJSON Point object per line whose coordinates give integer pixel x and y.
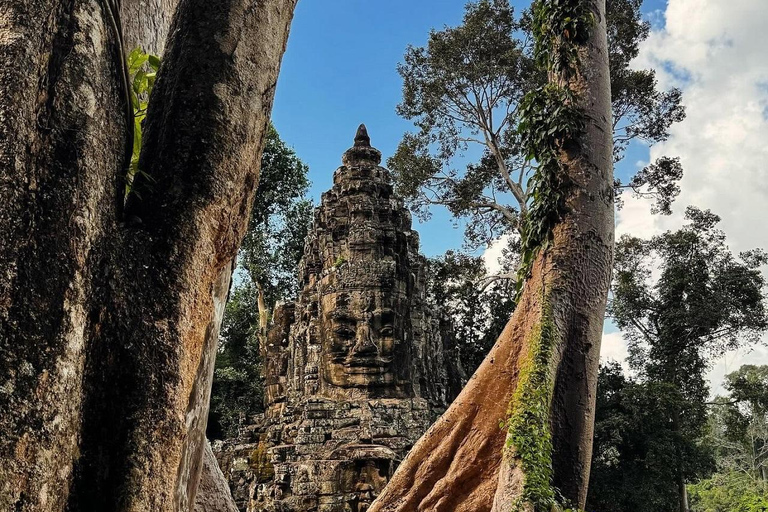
{"type": "Point", "coordinates": [361, 153]}
{"type": "Point", "coordinates": [361, 137]}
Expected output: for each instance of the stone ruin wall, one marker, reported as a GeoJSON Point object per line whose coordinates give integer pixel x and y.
{"type": "Point", "coordinates": [357, 368]}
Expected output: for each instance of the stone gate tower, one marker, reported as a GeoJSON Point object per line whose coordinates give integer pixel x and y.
{"type": "Point", "coordinates": [357, 368]}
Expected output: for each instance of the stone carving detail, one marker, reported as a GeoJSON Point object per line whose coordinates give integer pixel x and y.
{"type": "Point", "coordinates": [357, 368]}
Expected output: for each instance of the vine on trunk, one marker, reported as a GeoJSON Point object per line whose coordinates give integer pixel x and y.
{"type": "Point", "coordinates": [550, 118]}
{"type": "Point", "coordinates": [142, 70]}
{"type": "Point", "coordinates": [528, 418]}
{"type": "Point", "coordinates": [550, 121]}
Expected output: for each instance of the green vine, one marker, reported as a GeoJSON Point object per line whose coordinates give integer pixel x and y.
{"type": "Point", "coordinates": [529, 436]}
{"type": "Point", "coordinates": [550, 118]}
{"type": "Point", "coordinates": [142, 71]}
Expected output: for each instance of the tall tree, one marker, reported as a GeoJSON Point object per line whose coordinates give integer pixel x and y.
{"type": "Point", "coordinates": [743, 423]}
{"type": "Point", "coordinates": [634, 462]}
{"type": "Point", "coordinates": [541, 373]}
{"type": "Point", "coordinates": [464, 93]}
{"type": "Point", "coordinates": [739, 424]}
{"type": "Point", "coordinates": [267, 262]}
{"type": "Point", "coordinates": [704, 301]}
{"type": "Point", "coordinates": [110, 312]}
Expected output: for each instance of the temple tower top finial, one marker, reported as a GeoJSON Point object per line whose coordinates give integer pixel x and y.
{"type": "Point", "coordinates": [361, 153]}
{"type": "Point", "coordinates": [361, 137]}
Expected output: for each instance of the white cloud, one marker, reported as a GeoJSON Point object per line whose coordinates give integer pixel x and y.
{"type": "Point", "coordinates": [492, 254]}
{"type": "Point", "coordinates": [715, 52]}
{"type": "Point", "coordinates": [614, 348]}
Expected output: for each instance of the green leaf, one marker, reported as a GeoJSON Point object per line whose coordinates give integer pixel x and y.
{"type": "Point", "coordinates": [154, 62]}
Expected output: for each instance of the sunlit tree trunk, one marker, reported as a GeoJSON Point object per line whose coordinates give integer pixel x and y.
{"type": "Point", "coordinates": [461, 463]}
{"type": "Point", "coordinates": [108, 319]}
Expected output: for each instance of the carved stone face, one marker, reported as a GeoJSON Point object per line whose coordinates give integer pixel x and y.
{"type": "Point", "coordinates": [362, 342]}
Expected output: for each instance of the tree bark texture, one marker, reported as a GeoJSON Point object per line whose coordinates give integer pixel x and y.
{"type": "Point", "coordinates": [109, 320]}
{"type": "Point", "coordinates": [461, 464]}
{"type": "Point", "coordinates": [214, 494]}
{"type": "Point", "coordinates": [146, 24]}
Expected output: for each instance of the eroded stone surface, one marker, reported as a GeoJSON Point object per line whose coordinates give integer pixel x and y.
{"type": "Point", "coordinates": [356, 369]}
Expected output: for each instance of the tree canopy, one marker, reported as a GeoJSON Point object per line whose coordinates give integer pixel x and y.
{"type": "Point", "coordinates": [480, 305]}
{"type": "Point", "coordinates": [680, 298]}
{"type": "Point", "coordinates": [463, 92]}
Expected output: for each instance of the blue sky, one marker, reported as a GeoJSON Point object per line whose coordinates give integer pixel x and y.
{"type": "Point", "coordinates": [340, 70]}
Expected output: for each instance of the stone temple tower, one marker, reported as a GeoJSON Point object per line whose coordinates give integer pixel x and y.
{"type": "Point", "coordinates": [357, 368]}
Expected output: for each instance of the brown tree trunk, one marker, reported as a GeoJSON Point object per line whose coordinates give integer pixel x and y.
{"type": "Point", "coordinates": [461, 463]}
{"type": "Point", "coordinates": [146, 25]}
{"type": "Point", "coordinates": [683, 495]}
{"type": "Point", "coordinates": [108, 323]}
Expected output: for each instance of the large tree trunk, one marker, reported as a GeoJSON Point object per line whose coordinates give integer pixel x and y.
{"type": "Point", "coordinates": [214, 494]}
{"type": "Point", "coordinates": [107, 322]}
{"type": "Point", "coordinates": [146, 24]}
{"type": "Point", "coordinates": [461, 464]}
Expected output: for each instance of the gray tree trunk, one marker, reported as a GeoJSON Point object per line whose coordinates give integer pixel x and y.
{"type": "Point", "coordinates": [214, 494]}
{"type": "Point", "coordinates": [107, 320]}
{"type": "Point", "coordinates": [146, 24]}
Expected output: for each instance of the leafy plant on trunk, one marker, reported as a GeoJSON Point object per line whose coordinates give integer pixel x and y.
{"type": "Point", "coordinates": [142, 72]}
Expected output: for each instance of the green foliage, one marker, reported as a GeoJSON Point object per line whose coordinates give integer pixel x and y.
{"type": "Point", "coordinates": [705, 301]}
{"type": "Point", "coordinates": [237, 391]}
{"type": "Point", "coordinates": [550, 119]}
{"type": "Point", "coordinates": [142, 72]}
{"type": "Point", "coordinates": [480, 306]}
{"type": "Point", "coordinates": [635, 462]}
{"type": "Point", "coordinates": [280, 219]}
{"type": "Point", "coordinates": [464, 90]}
{"type": "Point", "coordinates": [560, 27]}
{"type": "Point", "coordinates": [528, 422]}
{"type": "Point", "coordinates": [680, 298]}
{"type": "Point", "coordinates": [740, 423]}
{"type": "Point", "coordinates": [268, 257]}
{"type": "Point", "coordinates": [640, 111]}
{"type": "Point", "coordinates": [729, 492]}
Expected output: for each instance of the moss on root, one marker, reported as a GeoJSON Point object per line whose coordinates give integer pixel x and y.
{"type": "Point", "coordinates": [529, 438]}
{"type": "Point", "coordinates": [529, 434]}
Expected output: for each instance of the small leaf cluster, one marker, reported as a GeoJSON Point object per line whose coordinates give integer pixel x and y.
{"type": "Point", "coordinates": [550, 118]}
{"type": "Point", "coordinates": [560, 28]}
{"type": "Point", "coordinates": [142, 70]}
